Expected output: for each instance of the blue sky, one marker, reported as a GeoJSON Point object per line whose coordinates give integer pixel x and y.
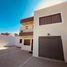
{"type": "Point", "coordinates": [11, 11]}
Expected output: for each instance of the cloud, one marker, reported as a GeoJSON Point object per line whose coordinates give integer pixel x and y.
{"type": "Point", "coordinates": [47, 3]}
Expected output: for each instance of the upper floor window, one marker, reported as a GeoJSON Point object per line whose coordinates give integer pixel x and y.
{"type": "Point", "coordinates": [56, 18]}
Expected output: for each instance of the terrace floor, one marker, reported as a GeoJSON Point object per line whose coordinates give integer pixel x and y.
{"type": "Point", "coordinates": [15, 57]}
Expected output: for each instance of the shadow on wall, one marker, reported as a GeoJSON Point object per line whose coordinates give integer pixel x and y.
{"type": "Point", "coordinates": [8, 41]}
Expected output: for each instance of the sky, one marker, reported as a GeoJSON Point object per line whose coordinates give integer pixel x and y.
{"type": "Point", "coordinates": [12, 11]}
{"type": "Point", "coordinates": [48, 3]}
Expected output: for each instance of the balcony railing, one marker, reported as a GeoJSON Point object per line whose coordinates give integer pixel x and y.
{"type": "Point", "coordinates": [25, 33]}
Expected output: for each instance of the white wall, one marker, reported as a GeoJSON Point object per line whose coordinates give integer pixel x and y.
{"type": "Point", "coordinates": [57, 29]}
{"type": "Point", "coordinates": [8, 40]}
{"type": "Point", "coordinates": [26, 47]}
{"type": "Point", "coordinates": [29, 26]}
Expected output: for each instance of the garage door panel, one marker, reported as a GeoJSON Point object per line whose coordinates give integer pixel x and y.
{"type": "Point", "coordinates": [51, 47]}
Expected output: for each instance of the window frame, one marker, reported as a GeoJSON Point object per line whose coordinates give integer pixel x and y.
{"type": "Point", "coordinates": [50, 21]}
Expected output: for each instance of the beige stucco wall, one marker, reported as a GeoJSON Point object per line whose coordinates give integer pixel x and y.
{"type": "Point", "coordinates": [26, 47]}
{"type": "Point", "coordinates": [57, 29]}
{"type": "Point", "coordinates": [29, 29]}
{"type": "Point", "coordinates": [30, 26]}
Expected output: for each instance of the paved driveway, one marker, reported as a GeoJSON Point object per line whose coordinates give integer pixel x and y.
{"type": "Point", "coordinates": [15, 57]}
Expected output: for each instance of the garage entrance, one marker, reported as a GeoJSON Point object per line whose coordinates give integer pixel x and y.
{"type": "Point", "coordinates": [51, 47]}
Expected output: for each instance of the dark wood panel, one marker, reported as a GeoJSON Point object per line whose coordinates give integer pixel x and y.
{"type": "Point", "coordinates": [51, 47]}
{"type": "Point", "coordinates": [27, 20]}
{"type": "Point", "coordinates": [48, 20]}
{"type": "Point", "coordinates": [55, 18]}
{"type": "Point", "coordinates": [32, 45]}
{"type": "Point", "coordinates": [27, 42]}
{"type": "Point", "coordinates": [41, 21]}
{"type": "Point", "coordinates": [25, 33]}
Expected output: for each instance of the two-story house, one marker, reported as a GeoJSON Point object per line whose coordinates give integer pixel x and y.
{"type": "Point", "coordinates": [26, 33]}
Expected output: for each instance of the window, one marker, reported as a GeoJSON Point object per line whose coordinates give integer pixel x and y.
{"type": "Point", "coordinates": [41, 21]}
{"type": "Point", "coordinates": [48, 20]}
{"type": "Point", "coordinates": [56, 18]}
{"type": "Point", "coordinates": [27, 42]}
{"type": "Point", "coordinates": [20, 41]}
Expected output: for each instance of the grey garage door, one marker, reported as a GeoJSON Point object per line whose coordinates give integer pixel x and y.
{"type": "Point", "coordinates": [51, 47]}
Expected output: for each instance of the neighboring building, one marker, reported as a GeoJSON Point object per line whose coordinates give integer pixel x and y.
{"type": "Point", "coordinates": [26, 33]}
{"type": "Point", "coordinates": [50, 34]}
{"type": "Point", "coordinates": [8, 40]}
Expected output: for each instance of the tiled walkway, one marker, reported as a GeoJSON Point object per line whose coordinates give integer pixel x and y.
{"type": "Point", "coordinates": [15, 57]}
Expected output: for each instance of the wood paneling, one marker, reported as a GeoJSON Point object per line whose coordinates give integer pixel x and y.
{"type": "Point", "coordinates": [51, 47]}
{"type": "Point", "coordinates": [56, 18]}
{"type": "Point", "coordinates": [27, 42]}
{"type": "Point", "coordinates": [32, 45]}
{"type": "Point", "coordinates": [25, 33]}
{"type": "Point", "coordinates": [27, 20]}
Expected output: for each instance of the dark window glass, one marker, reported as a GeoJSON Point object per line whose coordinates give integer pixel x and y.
{"type": "Point", "coordinates": [48, 20]}
{"type": "Point", "coordinates": [20, 40]}
{"type": "Point", "coordinates": [27, 42]}
{"type": "Point", "coordinates": [56, 18]}
{"type": "Point", "coordinates": [41, 20]}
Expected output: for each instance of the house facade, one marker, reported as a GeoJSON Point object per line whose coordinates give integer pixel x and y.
{"type": "Point", "coordinates": [50, 35]}
{"type": "Point", "coordinates": [26, 33]}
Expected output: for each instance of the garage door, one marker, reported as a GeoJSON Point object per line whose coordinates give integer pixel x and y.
{"type": "Point", "coordinates": [51, 47]}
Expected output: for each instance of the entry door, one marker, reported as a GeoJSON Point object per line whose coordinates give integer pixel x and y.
{"type": "Point", "coordinates": [32, 45]}
{"type": "Point", "coordinates": [51, 47]}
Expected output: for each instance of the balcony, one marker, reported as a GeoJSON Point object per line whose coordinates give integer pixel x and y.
{"type": "Point", "coordinates": [25, 33]}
